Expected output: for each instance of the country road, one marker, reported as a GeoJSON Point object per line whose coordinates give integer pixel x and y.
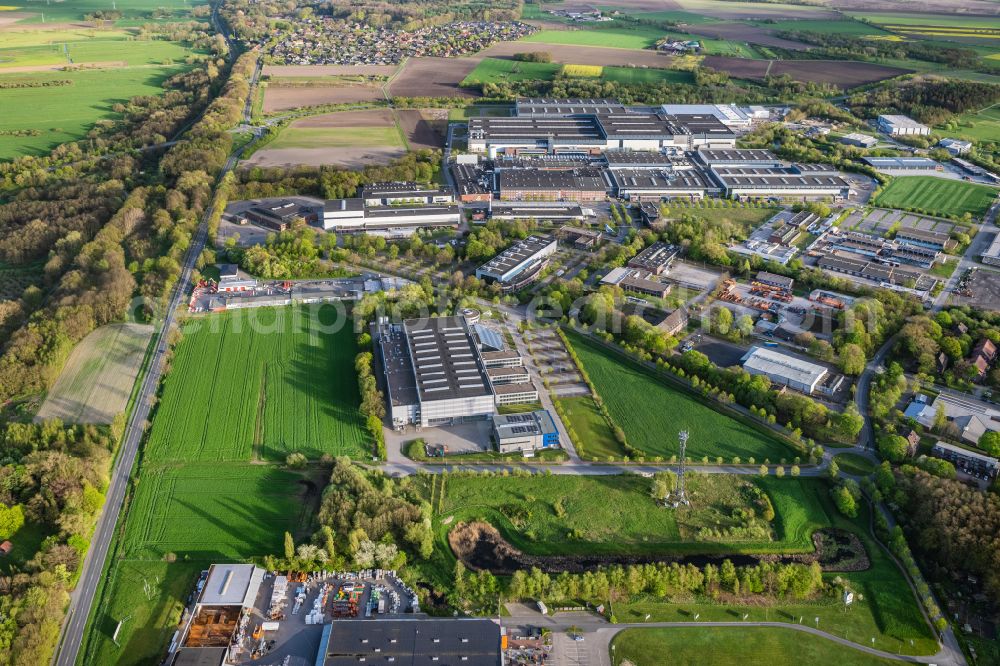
{"type": "Point", "coordinates": [92, 568]}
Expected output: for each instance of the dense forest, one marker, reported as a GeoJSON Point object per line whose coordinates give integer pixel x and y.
{"type": "Point", "coordinates": [930, 99]}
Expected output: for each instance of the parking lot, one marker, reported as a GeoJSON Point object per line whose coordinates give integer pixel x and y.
{"type": "Point", "coordinates": [880, 220]}
{"type": "Point", "coordinates": [555, 366]}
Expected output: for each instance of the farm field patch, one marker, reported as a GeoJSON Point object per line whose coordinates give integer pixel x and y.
{"type": "Point", "coordinates": [133, 11]}
{"type": "Point", "coordinates": [94, 94]}
{"type": "Point", "coordinates": [434, 77]}
{"type": "Point", "coordinates": [215, 513]}
{"type": "Point", "coordinates": [622, 38]}
{"type": "Point", "coordinates": [937, 196]}
{"type": "Point", "coordinates": [492, 70]}
{"type": "Point", "coordinates": [278, 97]}
{"type": "Point", "coordinates": [648, 76]}
{"type": "Point", "coordinates": [743, 646]}
{"type": "Point", "coordinates": [843, 27]}
{"type": "Point", "coordinates": [584, 55]}
{"type": "Point", "coordinates": [981, 125]}
{"type": "Point", "coordinates": [842, 73]}
{"type": "Point", "coordinates": [260, 385]}
{"type": "Point", "coordinates": [97, 380]}
{"type": "Point", "coordinates": [652, 413]}
{"type": "Point", "coordinates": [327, 137]}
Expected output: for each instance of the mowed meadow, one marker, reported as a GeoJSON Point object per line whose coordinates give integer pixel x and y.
{"type": "Point", "coordinates": [260, 384]}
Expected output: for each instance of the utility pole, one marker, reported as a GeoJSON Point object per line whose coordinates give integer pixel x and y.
{"type": "Point", "coordinates": [680, 495]}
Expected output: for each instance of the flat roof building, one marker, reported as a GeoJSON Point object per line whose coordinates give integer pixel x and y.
{"type": "Point", "coordinates": [433, 372]}
{"type": "Point", "coordinates": [545, 185]}
{"type": "Point", "coordinates": [520, 264]}
{"type": "Point", "coordinates": [655, 259]}
{"type": "Point", "coordinates": [658, 184]}
{"type": "Point", "coordinates": [553, 107]}
{"type": "Point", "coordinates": [356, 215]}
{"type": "Point", "coordinates": [413, 642]}
{"type": "Point", "coordinates": [738, 157]}
{"type": "Point", "coordinates": [899, 125]}
{"type": "Point", "coordinates": [902, 163]}
{"type": "Point", "coordinates": [637, 281]}
{"type": "Point", "coordinates": [549, 213]}
{"type": "Point", "coordinates": [783, 369]}
{"type": "Point", "coordinates": [968, 461]}
{"type": "Point", "coordinates": [775, 280]}
{"type": "Point", "coordinates": [527, 432]}
{"type": "Point", "coordinates": [388, 194]}
{"type": "Point", "coordinates": [935, 240]}
{"type": "Point", "coordinates": [859, 140]}
{"type": "Point", "coordinates": [729, 115]}
{"type": "Point", "coordinates": [992, 254]}
{"type": "Point", "coordinates": [796, 180]}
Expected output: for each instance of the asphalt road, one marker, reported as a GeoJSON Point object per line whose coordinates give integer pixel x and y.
{"type": "Point", "coordinates": [82, 598]}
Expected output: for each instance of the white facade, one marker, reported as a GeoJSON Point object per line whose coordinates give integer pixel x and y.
{"type": "Point", "coordinates": [784, 369]}
{"type": "Point", "coordinates": [899, 125]}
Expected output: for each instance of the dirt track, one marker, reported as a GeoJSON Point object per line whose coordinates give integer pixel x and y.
{"type": "Point", "coordinates": [846, 74]}
{"type": "Point", "coordinates": [283, 98]}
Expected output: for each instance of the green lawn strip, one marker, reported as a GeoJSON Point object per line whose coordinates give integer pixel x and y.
{"type": "Point", "coordinates": [738, 646]}
{"type": "Point", "coordinates": [275, 377]}
{"type": "Point", "coordinates": [854, 464]}
{"type": "Point", "coordinates": [598, 440]}
{"type": "Point", "coordinates": [845, 27]}
{"type": "Point", "coordinates": [945, 268]}
{"type": "Point", "coordinates": [652, 413]}
{"type": "Point", "coordinates": [937, 196]}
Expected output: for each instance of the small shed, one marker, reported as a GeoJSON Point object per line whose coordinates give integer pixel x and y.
{"type": "Point", "coordinates": [5, 548]}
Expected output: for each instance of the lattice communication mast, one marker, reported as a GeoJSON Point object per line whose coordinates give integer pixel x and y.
{"type": "Point", "coordinates": [680, 496]}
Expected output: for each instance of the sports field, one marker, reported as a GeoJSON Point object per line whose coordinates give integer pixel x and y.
{"type": "Point", "coordinates": [652, 413]}
{"type": "Point", "coordinates": [259, 384]}
{"type": "Point", "coordinates": [742, 646]}
{"type": "Point", "coordinates": [937, 196]}
{"type": "Point", "coordinates": [97, 380]}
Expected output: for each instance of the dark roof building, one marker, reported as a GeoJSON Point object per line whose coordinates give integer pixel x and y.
{"type": "Point", "coordinates": [654, 259]}
{"type": "Point", "coordinates": [520, 264]}
{"type": "Point", "coordinates": [544, 185]}
{"type": "Point", "coordinates": [413, 642]}
{"type": "Point", "coordinates": [737, 157]}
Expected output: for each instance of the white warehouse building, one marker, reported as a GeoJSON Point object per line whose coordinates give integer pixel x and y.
{"type": "Point", "coordinates": [783, 369]}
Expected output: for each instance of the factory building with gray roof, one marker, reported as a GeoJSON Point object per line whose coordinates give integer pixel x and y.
{"type": "Point", "coordinates": [520, 264]}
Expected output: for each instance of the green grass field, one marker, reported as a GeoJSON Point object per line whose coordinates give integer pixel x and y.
{"type": "Point", "coordinates": [642, 37]}
{"type": "Point", "coordinates": [66, 113]}
{"type": "Point", "coordinates": [491, 70]}
{"type": "Point", "coordinates": [133, 11]}
{"type": "Point", "coordinates": [260, 385]}
{"type": "Point", "coordinates": [887, 609]}
{"type": "Point", "coordinates": [495, 70]}
{"type": "Point", "coordinates": [981, 125]}
{"type": "Point", "coordinates": [744, 646]}
{"type": "Point", "coordinates": [152, 596]}
{"type": "Point", "coordinates": [617, 515]}
{"type": "Point", "coordinates": [337, 137]}
{"type": "Point", "coordinates": [636, 75]}
{"type": "Point", "coordinates": [652, 413]}
{"type": "Point", "coordinates": [212, 512]}
{"type": "Point", "coordinates": [912, 19]}
{"type": "Point", "coordinates": [937, 196]}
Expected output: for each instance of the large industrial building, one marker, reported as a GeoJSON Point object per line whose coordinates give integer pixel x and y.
{"type": "Point", "coordinates": [525, 433]}
{"type": "Point", "coordinates": [899, 125]}
{"type": "Point", "coordinates": [550, 185]}
{"type": "Point", "coordinates": [783, 369]}
{"type": "Point", "coordinates": [445, 370]}
{"type": "Point", "coordinates": [520, 264]}
{"type": "Point", "coordinates": [791, 181]}
{"type": "Point", "coordinates": [549, 126]}
{"type": "Point", "coordinates": [355, 215]}
{"type": "Point", "coordinates": [411, 642]}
